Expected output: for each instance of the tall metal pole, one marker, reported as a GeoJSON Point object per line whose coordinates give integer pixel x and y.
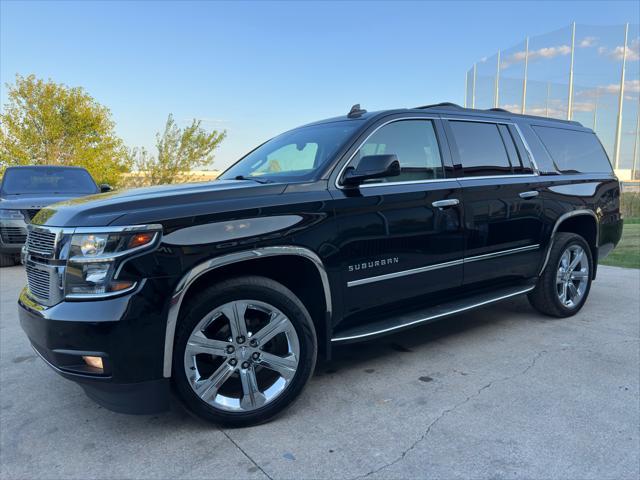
{"type": "Point", "coordinates": [573, 49]}
{"type": "Point", "coordinates": [595, 110]}
{"type": "Point", "coordinates": [524, 81]}
{"type": "Point", "coordinates": [616, 151]}
{"type": "Point", "coordinates": [466, 88]}
{"type": "Point", "coordinates": [547, 102]}
{"type": "Point", "coordinates": [635, 146]}
{"type": "Point", "coordinates": [473, 88]}
{"type": "Point", "coordinates": [496, 93]}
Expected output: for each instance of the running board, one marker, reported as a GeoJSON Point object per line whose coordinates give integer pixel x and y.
{"type": "Point", "coordinates": [426, 315]}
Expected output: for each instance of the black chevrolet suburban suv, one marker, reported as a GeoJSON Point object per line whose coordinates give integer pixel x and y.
{"type": "Point", "coordinates": [225, 293]}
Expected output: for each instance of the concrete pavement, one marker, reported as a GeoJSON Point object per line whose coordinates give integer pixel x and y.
{"type": "Point", "coordinates": [501, 392]}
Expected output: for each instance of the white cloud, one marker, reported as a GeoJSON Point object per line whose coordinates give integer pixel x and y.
{"type": "Point", "coordinates": [630, 87]}
{"type": "Point", "coordinates": [588, 42]}
{"type": "Point", "coordinates": [633, 51]}
{"type": "Point", "coordinates": [541, 53]}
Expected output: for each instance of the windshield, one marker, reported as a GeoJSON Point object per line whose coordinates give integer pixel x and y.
{"type": "Point", "coordinates": [294, 155]}
{"type": "Point", "coordinates": [25, 180]}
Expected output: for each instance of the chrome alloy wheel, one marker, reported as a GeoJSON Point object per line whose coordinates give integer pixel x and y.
{"type": "Point", "coordinates": [572, 277]}
{"type": "Point", "coordinates": [242, 355]}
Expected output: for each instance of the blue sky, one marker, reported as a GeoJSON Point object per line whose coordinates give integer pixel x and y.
{"type": "Point", "coordinates": [258, 68]}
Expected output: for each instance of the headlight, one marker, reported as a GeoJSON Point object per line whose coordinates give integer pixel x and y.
{"type": "Point", "coordinates": [11, 214]}
{"type": "Point", "coordinates": [94, 260]}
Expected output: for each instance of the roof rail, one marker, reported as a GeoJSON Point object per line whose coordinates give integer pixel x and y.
{"type": "Point", "coordinates": [441, 105]}
{"type": "Point", "coordinates": [496, 109]}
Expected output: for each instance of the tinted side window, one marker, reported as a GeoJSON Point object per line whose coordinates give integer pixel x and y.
{"type": "Point", "coordinates": [573, 151]}
{"type": "Point", "coordinates": [415, 144]}
{"type": "Point", "coordinates": [480, 148]}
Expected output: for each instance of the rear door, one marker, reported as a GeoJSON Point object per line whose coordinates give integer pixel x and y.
{"type": "Point", "coordinates": [400, 237]}
{"type": "Point", "coordinates": [501, 196]}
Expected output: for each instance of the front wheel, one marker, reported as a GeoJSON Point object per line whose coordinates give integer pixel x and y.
{"type": "Point", "coordinates": [564, 285]}
{"type": "Point", "coordinates": [244, 350]}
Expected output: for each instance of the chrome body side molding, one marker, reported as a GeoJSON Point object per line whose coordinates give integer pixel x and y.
{"type": "Point", "coordinates": [192, 275]}
{"type": "Point", "coordinates": [561, 219]}
{"type": "Point", "coordinates": [403, 273]}
{"type": "Point", "coordinates": [428, 268]}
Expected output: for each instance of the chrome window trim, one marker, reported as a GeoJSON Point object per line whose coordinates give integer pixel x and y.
{"type": "Point", "coordinates": [534, 164]}
{"type": "Point", "coordinates": [192, 275]}
{"type": "Point", "coordinates": [432, 317]}
{"type": "Point", "coordinates": [428, 268]}
{"type": "Point", "coordinates": [368, 185]}
{"type": "Point", "coordinates": [490, 177]}
{"type": "Point", "coordinates": [559, 221]}
{"type": "Point", "coordinates": [532, 159]}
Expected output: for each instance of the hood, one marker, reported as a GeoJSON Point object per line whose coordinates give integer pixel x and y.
{"type": "Point", "coordinates": [156, 204]}
{"type": "Point", "coordinates": [32, 201]}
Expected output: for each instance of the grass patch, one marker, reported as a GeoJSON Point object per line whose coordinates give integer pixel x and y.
{"type": "Point", "coordinates": [627, 253]}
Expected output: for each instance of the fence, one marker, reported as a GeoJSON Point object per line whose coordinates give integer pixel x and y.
{"type": "Point", "coordinates": [586, 73]}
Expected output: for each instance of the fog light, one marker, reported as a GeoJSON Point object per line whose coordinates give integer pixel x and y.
{"type": "Point", "coordinates": [95, 362]}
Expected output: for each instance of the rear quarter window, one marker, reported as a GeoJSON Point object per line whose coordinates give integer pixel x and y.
{"type": "Point", "coordinates": [574, 151]}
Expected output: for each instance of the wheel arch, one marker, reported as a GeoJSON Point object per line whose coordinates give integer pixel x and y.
{"type": "Point", "coordinates": [242, 258]}
{"type": "Point", "coordinates": [582, 222]}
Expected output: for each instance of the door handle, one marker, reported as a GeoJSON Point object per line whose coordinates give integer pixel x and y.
{"type": "Point", "coordinates": [530, 194]}
{"type": "Point", "coordinates": [446, 203]}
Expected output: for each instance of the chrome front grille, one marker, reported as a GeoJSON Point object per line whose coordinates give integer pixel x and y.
{"type": "Point", "coordinates": [13, 234]}
{"type": "Point", "coordinates": [41, 242]}
{"type": "Point", "coordinates": [43, 265]}
{"type": "Point", "coordinates": [39, 280]}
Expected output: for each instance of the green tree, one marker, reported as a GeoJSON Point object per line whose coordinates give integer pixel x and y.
{"type": "Point", "coordinates": [47, 123]}
{"type": "Point", "coordinates": [179, 152]}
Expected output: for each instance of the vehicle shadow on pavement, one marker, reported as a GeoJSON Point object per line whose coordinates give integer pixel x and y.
{"type": "Point", "coordinates": [351, 356]}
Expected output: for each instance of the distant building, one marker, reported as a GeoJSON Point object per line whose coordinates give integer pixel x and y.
{"type": "Point", "coordinates": [586, 73]}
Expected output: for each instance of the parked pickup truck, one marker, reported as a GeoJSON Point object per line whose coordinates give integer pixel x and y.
{"type": "Point", "coordinates": [25, 190]}
{"type": "Point", "coordinates": [226, 293]}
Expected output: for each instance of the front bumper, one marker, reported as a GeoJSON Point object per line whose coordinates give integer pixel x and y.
{"type": "Point", "coordinates": [129, 339]}
{"type": "Point", "coordinates": [13, 234]}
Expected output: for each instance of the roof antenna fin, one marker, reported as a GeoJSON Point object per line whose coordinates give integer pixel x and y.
{"type": "Point", "coordinates": [356, 111]}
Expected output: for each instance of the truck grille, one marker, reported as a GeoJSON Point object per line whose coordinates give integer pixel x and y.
{"type": "Point", "coordinates": [41, 242]}
{"type": "Point", "coordinates": [39, 283]}
{"type": "Point", "coordinates": [13, 234]}
{"type": "Point", "coordinates": [43, 267]}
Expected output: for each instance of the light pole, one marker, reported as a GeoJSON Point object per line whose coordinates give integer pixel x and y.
{"type": "Point", "coordinates": [616, 149]}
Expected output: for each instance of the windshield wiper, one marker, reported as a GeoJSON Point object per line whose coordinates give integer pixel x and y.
{"type": "Point", "coordinates": [259, 180]}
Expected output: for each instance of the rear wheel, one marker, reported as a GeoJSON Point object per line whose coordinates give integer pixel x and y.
{"type": "Point", "coordinates": [564, 285]}
{"type": "Point", "coordinates": [244, 350]}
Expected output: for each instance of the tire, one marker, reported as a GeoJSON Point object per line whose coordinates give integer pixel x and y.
{"type": "Point", "coordinates": [253, 389]}
{"type": "Point", "coordinates": [7, 260]}
{"type": "Point", "coordinates": [548, 297]}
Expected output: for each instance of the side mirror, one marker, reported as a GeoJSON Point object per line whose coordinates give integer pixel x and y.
{"type": "Point", "coordinates": [105, 188]}
{"type": "Point", "coordinates": [372, 166]}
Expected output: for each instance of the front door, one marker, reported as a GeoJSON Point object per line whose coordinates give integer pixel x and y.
{"type": "Point", "coordinates": [401, 237]}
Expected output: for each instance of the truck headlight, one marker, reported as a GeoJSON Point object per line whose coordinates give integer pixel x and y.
{"type": "Point", "coordinates": [94, 260]}
{"type": "Point", "coordinates": [6, 214]}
